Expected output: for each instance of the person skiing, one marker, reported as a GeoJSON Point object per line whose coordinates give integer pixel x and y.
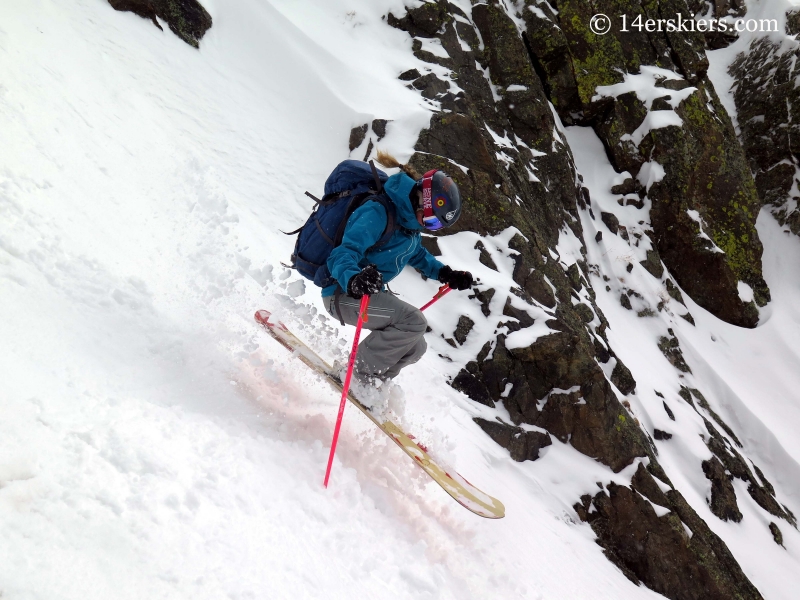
{"type": "Point", "coordinates": [430, 202]}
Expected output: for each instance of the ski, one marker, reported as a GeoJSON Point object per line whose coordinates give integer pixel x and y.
{"type": "Point", "coordinates": [461, 490]}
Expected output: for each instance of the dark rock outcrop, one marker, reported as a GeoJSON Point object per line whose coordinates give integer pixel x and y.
{"type": "Point", "coordinates": [719, 9]}
{"type": "Point", "coordinates": [473, 387]}
{"type": "Point", "coordinates": [705, 204]}
{"type": "Point", "coordinates": [674, 291]}
{"type": "Point", "coordinates": [759, 489]}
{"type": "Point", "coordinates": [768, 105]}
{"type": "Point", "coordinates": [143, 8]}
{"type": "Point", "coordinates": [662, 435]}
{"type": "Point", "coordinates": [622, 377]}
{"type": "Point", "coordinates": [376, 132]}
{"type": "Point", "coordinates": [668, 410]}
{"type": "Point", "coordinates": [688, 393]}
{"type": "Point", "coordinates": [726, 454]}
{"type": "Point", "coordinates": [611, 221]}
{"type": "Point", "coordinates": [521, 444]}
{"type": "Point", "coordinates": [653, 264]}
{"type": "Point", "coordinates": [671, 349]}
{"type": "Point", "coordinates": [711, 250]}
{"type": "Point", "coordinates": [776, 534]}
{"type": "Point", "coordinates": [357, 135]}
{"type": "Point", "coordinates": [723, 497]}
{"type": "Point", "coordinates": [675, 554]}
{"type": "Point", "coordinates": [186, 18]}
{"type": "Point", "coordinates": [463, 327]}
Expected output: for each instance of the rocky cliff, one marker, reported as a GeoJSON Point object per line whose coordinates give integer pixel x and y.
{"type": "Point", "coordinates": [767, 103]}
{"type": "Point", "coordinates": [503, 81]}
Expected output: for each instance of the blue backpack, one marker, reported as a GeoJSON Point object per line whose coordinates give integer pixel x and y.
{"type": "Point", "coordinates": [351, 183]}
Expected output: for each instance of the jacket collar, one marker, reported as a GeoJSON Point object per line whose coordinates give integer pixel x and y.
{"type": "Point", "coordinates": [398, 187]}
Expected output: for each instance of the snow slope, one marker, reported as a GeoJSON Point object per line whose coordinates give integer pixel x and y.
{"type": "Point", "coordinates": [154, 443]}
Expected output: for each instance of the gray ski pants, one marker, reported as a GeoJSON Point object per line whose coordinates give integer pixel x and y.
{"type": "Point", "coordinates": [397, 333]}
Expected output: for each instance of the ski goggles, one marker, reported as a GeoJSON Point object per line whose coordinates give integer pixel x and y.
{"type": "Point", "coordinates": [431, 223]}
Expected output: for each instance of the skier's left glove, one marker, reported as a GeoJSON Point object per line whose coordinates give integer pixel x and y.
{"type": "Point", "coordinates": [458, 280]}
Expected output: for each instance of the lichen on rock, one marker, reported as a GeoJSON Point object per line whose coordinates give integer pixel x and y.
{"type": "Point", "coordinates": [705, 169]}
{"type": "Point", "coordinates": [706, 172]}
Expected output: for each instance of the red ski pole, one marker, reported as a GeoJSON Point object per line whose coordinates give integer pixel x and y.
{"type": "Point", "coordinates": [362, 318]}
{"type": "Point", "coordinates": [442, 291]}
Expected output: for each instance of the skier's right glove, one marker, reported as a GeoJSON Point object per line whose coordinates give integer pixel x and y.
{"type": "Point", "coordinates": [458, 280]}
{"type": "Point", "coordinates": [367, 282]}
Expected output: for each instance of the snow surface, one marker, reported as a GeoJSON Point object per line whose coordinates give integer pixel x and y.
{"type": "Point", "coordinates": [154, 443]}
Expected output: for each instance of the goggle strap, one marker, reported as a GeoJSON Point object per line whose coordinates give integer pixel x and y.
{"type": "Point", "coordinates": [427, 203]}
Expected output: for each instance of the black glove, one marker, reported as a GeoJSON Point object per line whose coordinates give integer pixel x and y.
{"type": "Point", "coordinates": [367, 282]}
{"type": "Point", "coordinates": [458, 280]}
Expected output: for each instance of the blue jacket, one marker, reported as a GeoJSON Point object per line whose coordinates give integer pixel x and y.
{"type": "Point", "coordinates": [365, 227]}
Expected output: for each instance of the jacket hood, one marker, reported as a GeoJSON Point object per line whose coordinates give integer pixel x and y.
{"type": "Point", "coordinates": [398, 187]}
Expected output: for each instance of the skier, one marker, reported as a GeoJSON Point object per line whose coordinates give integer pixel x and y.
{"type": "Point", "coordinates": [430, 202]}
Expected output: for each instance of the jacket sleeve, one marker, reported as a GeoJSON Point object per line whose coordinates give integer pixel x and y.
{"type": "Point", "coordinates": [425, 262]}
{"type": "Point", "coordinates": [364, 228]}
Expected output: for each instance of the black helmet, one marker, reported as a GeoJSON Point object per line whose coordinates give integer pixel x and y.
{"type": "Point", "coordinates": [441, 201]}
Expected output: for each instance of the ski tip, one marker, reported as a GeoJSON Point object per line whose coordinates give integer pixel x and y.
{"type": "Point", "coordinates": [494, 509]}
{"type": "Point", "coordinates": [262, 316]}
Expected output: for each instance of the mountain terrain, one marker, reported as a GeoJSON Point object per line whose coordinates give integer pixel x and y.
{"type": "Point", "coordinates": [625, 374]}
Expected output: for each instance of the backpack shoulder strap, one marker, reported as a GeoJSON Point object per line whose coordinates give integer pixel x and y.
{"type": "Point", "coordinates": [378, 183]}
{"type": "Point", "coordinates": [354, 203]}
{"type": "Point", "coordinates": [391, 219]}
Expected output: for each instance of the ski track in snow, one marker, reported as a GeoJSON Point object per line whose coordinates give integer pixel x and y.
{"type": "Point", "coordinates": [154, 443]}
